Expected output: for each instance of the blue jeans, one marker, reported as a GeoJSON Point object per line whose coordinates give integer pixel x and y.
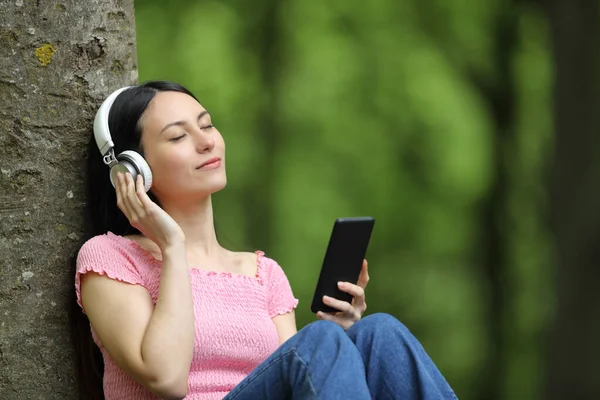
{"type": "Point", "coordinates": [376, 358]}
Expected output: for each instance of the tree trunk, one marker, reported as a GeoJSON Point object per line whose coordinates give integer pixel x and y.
{"type": "Point", "coordinates": [574, 351]}
{"type": "Point", "coordinates": [260, 199]}
{"type": "Point", "coordinates": [58, 60]}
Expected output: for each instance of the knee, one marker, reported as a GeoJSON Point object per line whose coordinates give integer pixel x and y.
{"type": "Point", "coordinates": [382, 323]}
{"type": "Point", "coordinates": [321, 334]}
{"type": "Point", "coordinates": [322, 340]}
{"type": "Point", "coordinates": [322, 330]}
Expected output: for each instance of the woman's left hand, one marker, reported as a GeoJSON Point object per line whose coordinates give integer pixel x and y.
{"type": "Point", "coordinates": [349, 313]}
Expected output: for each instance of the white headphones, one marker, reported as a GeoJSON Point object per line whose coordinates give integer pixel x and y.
{"type": "Point", "coordinates": [127, 161]}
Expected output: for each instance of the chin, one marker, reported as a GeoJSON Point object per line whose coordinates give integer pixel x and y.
{"type": "Point", "coordinates": [218, 187]}
{"type": "Point", "coordinates": [211, 187]}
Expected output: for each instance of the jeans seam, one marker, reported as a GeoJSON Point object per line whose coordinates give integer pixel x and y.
{"type": "Point", "coordinates": [312, 388]}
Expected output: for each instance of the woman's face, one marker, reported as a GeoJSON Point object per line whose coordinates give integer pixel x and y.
{"type": "Point", "coordinates": [185, 152]}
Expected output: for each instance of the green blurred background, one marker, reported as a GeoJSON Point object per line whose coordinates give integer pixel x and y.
{"type": "Point", "coordinates": [433, 116]}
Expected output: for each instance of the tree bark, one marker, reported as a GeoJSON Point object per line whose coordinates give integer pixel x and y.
{"type": "Point", "coordinates": [58, 59]}
{"type": "Point", "coordinates": [574, 347]}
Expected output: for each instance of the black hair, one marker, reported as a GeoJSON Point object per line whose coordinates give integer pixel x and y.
{"type": "Point", "coordinates": [103, 215]}
{"type": "Point", "coordinates": [126, 131]}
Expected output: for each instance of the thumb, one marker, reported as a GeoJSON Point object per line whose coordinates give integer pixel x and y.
{"type": "Point", "coordinates": [363, 278]}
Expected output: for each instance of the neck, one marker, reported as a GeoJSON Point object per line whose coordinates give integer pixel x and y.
{"type": "Point", "coordinates": [197, 222]}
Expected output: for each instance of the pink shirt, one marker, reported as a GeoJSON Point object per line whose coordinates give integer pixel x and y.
{"type": "Point", "coordinates": [234, 329]}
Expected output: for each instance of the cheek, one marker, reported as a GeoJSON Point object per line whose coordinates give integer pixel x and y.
{"type": "Point", "coordinates": [220, 142]}
{"type": "Point", "coordinates": [168, 164]}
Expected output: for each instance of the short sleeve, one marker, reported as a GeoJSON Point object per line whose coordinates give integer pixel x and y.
{"type": "Point", "coordinates": [280, 297]}
{"type": "Point", "coordinates": [105, 256]}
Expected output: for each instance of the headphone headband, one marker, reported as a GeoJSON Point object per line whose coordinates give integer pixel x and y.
{"type": "Point", "coordinates": [101, 131]}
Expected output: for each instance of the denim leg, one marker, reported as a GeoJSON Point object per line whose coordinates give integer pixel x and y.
{"type": "Point", "coordinates": [396, 364]}
{"type": "Point", "coordinates": [319, 362]}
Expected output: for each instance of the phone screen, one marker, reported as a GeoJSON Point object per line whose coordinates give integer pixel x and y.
{"type": "Point", "coordinates": [343, 259]}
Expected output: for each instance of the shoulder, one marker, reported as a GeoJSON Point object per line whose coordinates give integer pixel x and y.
{"type": "Point", "coordinates": [256, 263]}
{"type": "Point", "coordinates": [112, 249]}
{"type": "Point", "coordinates": [269, 268]}
{"type": "Point", "coordinates": [244, 263]}
{"type": "Point", "coordinates": [262, 258]}
{"type": "Point", "coordinates": [280, 294]}
{"type": "Point", "coordinates": [109, 255]}
{"type": "Point", "coordinates": [104, 245]}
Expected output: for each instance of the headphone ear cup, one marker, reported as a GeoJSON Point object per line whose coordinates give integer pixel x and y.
{"type": "Point", "coordinates": [123, 167]}
{"type": "Point", "coordinates": [134, 163]}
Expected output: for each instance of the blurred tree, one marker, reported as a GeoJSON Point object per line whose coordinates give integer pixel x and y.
{"type": "Point", "coordinates": [263, 35]}
{"type": "Point", "coordinates": [500, 94]}
{"type": "Point", "coordinates": [430, 115]}
{"type": "Point", "coordinates": [574, 349]}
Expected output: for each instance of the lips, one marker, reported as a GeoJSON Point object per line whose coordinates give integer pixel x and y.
{"type": "Point", "coordinates": [212, 162]}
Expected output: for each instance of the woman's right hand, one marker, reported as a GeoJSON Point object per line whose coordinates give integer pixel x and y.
{"type": "Point", "coordinates": [145, 215]}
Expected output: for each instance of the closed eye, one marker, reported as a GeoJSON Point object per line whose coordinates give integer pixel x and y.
{"type": "Point", "coordinates": [176, 139]}
{"type": "Point", "coordinates": [208, 126]}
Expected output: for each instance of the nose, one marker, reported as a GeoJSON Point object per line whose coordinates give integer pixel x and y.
{"type": "Point", "coordinates": [204, 142]}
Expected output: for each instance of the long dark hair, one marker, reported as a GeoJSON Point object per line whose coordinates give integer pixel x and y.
{"type": "Point", "coordinates": [103, 215]}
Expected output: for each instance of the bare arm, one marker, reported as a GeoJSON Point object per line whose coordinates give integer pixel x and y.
{"type": "Point", "coordinates": [153, 345]}
{"type": "Point", "coordinates": [285, 325]}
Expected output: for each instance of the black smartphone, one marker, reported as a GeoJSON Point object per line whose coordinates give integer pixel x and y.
{"type": "Point", "coordinates": [343, 259]}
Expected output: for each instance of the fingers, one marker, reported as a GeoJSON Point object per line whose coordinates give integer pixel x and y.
{"type": "Point", "coordinates": [139, 211]}
{"type": "Point", "coordinates": [358, 294]}
{"type": "Point", "coordinates": [141, 193]}
{"type": "Point", "coordinates": [135, 203]}
{"type": "Point", "coordinates": [342, 306]}
{"type": "Point", "coordinates": [354, 290]}
{"type": "Point", "coordinates": [349, 313]}
{"type": "Point", "coordinates": [343, 322]}
{"type": "Point", "coordinates": [128, 200]}
{"type": "Point", "coordinates": [122, 200]}
{"type": "Point", "coordinates": [363, 278]}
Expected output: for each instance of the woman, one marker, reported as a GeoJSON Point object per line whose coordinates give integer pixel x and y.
{"type": "Point", "coordinates": [175, 314]}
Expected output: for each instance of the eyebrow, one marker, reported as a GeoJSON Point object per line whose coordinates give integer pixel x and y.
{"type": "Point", "coordinates": [181, 123]}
